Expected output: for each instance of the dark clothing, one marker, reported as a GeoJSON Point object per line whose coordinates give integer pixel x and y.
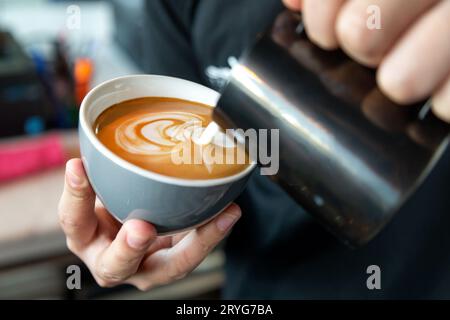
{"type": "Point", "coordinates": [277, 250]}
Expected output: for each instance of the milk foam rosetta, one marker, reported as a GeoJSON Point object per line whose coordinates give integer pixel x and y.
{"type": "Point", "coordinates": [161, 133]}
{"type": "Point", "coordinates": [164, 135]}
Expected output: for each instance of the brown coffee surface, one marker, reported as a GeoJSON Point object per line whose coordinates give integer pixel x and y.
{"type": "Point", "coordinates": [157, 134]}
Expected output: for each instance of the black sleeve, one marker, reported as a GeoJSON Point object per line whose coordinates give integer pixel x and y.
{"type": "Point", "coordinates": [169, 48]}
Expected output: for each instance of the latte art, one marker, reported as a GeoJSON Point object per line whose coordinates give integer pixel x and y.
{"type": "Point", "coordinates": [156, 134]}
{"type": "Point", "coordinates": [159, 134]}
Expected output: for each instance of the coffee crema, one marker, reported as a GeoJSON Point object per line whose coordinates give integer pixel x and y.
{"type": "Point", "coordinates": [161, 134]}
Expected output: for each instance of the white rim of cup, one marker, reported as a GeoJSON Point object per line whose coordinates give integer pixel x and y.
{"type": "Point", "coordinates": [89, 131]}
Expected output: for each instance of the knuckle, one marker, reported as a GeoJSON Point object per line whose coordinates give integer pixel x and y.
{"type": "Point", "coordinates": [108, 277]}
{"type": "Point", "coordinates": [144, 286]}
{"type": "Point", "coordinates": [69, 223]}
{"type": "Point", "coordinates": [441, 102]}
{"type": "Point", "coordinates": [205, 248]}
{"type": "Point", "coordinates": [176, 272]}
{"type": "Point", "coordinates": [174, 277]}
{"type": "Point", "coordinates": [181, 267]}
{"type": "Point", "coordinates": [183, 263]}
{"type": "Point", "coordinates": [442, 111]}
{"type": "Point", "coordinates": [401, 88]}
{"type": "Point", "coordinates": [204, 245]}
{"type": "Point", "coordinates": [325, 42]}
{"type": "Point", "coordinates": [322, 33]}
{"type": "Point", "coordinates": [81, 194]}
{"type": "Point", "coordinates": [170, 278]}
{"type": "Point", "coordinates": [104, 283]}
{"type": "Point", "coordinates": [354, 35]}
{"type": "Point", "coordinates": [122, 257]}
{"type": "Point", "coordinates": [72, 247]}
{"type": "Point", "coordinates": [181, 276]}
{"type": "Point", "coordinates": [173, 272]}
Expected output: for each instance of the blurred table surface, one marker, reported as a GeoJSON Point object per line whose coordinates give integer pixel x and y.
{"type": "Point", "coordinates": [29, 226]}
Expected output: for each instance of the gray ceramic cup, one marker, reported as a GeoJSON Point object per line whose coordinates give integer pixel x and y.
{"type": "Point", "coordinates": [127, 191]}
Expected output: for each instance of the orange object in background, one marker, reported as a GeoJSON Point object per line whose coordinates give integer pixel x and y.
{"type": "Point", "coordinates": [83, 72]}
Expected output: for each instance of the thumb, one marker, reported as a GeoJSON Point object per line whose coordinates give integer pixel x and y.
{"type": "Point", "coordinates": [76, 206]}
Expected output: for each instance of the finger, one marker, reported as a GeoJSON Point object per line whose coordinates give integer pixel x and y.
{"type": "Point", "coordinates": [364, 40]}
{"type": "Point", "coordinates": [178, 237]}
{"type": "Point", "coordinates": [319, 17]}
{"type": "Point", "coordinates": [76, 206]}
{"type": "Point", "coordinates": [441, 101]}
{"type": "Point", "coordinates": [168, 265]}
{"type": "Point", "coordinates": [123, 257]}
{"type": "Point", "coordinates": [420, 62]}
{"type": "Point", "coordinates": [293, 4]}
{"type": "Point", "coordinates": [107, 223]}
{"type": "Point", "coordinates": [163, 242]}
{"type": "Point", "coordinates": [194, 247]}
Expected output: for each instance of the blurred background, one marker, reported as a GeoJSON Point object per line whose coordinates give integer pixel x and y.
{"type": "Point", "coordinates": [51, 54]}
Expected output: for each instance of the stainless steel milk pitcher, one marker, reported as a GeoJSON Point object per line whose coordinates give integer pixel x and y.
{"type": "Point", "coordinates": [348, 154]}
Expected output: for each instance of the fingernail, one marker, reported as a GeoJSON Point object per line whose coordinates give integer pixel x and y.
{"type": "Point", "coordinates": [136, 242]}
{"type": "Point", "coordinates": [226, 222]}
{"type": "Point", "coordinates": [73, 179]}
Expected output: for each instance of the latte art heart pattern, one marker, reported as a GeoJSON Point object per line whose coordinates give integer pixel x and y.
{"type": "Point", "coordinates": [159, 134]}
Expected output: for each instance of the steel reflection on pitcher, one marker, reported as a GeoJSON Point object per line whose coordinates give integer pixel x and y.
{"type": "Point", "coordinates": [348, 154]}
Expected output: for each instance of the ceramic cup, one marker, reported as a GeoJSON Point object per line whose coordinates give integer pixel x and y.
{"type": "Point", "coordinates": [127, 191]}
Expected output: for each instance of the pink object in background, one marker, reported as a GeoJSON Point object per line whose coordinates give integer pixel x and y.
{"type": "Point", "coordinates": [30, 155]}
